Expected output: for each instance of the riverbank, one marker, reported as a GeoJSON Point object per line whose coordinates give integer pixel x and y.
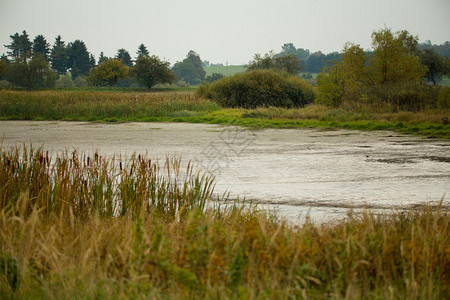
{"type": "Point", "coordinates": [95, 106]}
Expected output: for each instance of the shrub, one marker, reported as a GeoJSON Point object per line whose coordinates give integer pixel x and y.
{"type": "Point", "coordinates": [444, 98]}
{"type": "Point", "coordinates": [259, 88]}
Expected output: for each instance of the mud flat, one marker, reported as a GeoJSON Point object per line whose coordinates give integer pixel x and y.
{"type": "Point", "coordinates": [295, 172]}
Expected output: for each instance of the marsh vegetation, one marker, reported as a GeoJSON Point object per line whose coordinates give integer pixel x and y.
{"type": "Point", "coordinates": [62, 236]}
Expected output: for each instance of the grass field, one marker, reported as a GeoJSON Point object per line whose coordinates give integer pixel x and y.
{"type": "Point", "coordinates": [225, 70]}
{"type": "Point", "coordinates": [90, 227]}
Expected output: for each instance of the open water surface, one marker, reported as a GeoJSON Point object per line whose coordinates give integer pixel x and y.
{"type": "Point", "coordinates": [293, 171]}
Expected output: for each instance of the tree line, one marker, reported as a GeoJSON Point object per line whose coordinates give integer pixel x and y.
{"type": "Point", "coordinates": [37, 64]}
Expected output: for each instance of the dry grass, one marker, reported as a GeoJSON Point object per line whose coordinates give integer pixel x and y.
{"type": "Point", "coordinates": [51, 252]}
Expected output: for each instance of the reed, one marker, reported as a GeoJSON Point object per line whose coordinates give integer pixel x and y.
{"type": "Point", "coordinates": [82, 185]}
{"type": "Point", "coordinates": [80, 244]}
{"type": "Point", "coordinates": [98, 106]}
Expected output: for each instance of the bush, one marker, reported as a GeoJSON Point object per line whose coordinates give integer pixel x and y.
{"type": "Point", "coordinates": [444, 98]}
{"type": "Point", "coordinates": [259, 88]}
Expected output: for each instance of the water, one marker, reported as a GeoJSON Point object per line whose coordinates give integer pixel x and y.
{"type": "Point", "coordinates": [291, 171]}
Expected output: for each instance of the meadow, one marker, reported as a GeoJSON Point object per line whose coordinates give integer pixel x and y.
{"type": "Point", "coordinates": [92, 227]}
{"type": "Point", "coordinates": [185, 106]}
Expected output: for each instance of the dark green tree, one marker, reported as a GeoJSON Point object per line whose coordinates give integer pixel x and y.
{"type": "Point", "coordinates": [20, 44]}
{"type": "Point", "coordinates": [288, 63]}
{"type": "Point", "coordinates": [40, 45]}
{"type": "Point", "coordinates": [435, 65]}
{"type": "Point", "coordinates": [102, 58]}
{"type": "Point", "coordinates": [79, 60]}
{"type": "Point", "coordinates": [142, 51]}
{"type": "Point", "coordinates": [124, 56]}
{"type": "Point", "coordinates": [3, 67]}
{"type": "Point", "coordinates": [31, 72]}
{"type": "Point", "coordinates": [315, 61]}
{"type": "Point", "coordinates": [150, 70]}
{"type": "Point", "coordinates": [190, 69]}
{"type": "Point", "coordinates": [214, 77]}
{"type": "Point", "coordinates": [59, 56]}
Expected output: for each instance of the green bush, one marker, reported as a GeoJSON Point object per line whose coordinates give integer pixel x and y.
{"type": "Point", "coordinates": [259, 88]}
{"type": "Point", "coordinates": [444, 98]}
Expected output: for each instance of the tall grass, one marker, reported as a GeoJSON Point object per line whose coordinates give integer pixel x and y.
{"type": "Point", "coordinates": [83, 249]}
{"type": "Point", "coordinates": [89, 105]}
{"type": "Point", "coordinates": [82, 185]}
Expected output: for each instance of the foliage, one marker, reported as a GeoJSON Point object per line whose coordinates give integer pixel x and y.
{"type": "Point", "coordinates": [78, 59]}
{"type": "Point", "coordinates": [395, 58]}
{"type": "Point", "coordinates": [124, 56]}
{"type": "Point", "coordinates": [3, 68]}
{"type": "Point", "coordinates": [31, 73]}
{"type": "Point", "coordinates": [41, 46]}
{"type": "Point", "coordinates": [107, 73]}
{"type": "Point", "coordinates": [289, 62]}
{"type": "Point", "coordinates": [225, 70]}
{"type": "Point", "coordinates": [59, 56]}
{"type": "Point", "coordinates": [214, 77]}
{"type": "Point", "coordinates": [150, 70]}
{"type": "Point", "coordinates": [435, 65]}
{"type": "Point", "coordinates": [190, 69]}
{"type": "Point", "coordinates": [19, 46]}
{"type": "Point", "coordinates": [259, 88]}
{"type": "Point", "coordinates": [444, 98]}
{"type": "Point", "coordinates": [64, 81]}
{"type": "Point", "coordinates": [142, 51]}
{"type": "Point", "coordinates": [392, 73]}
{"type": "Point", "coordinates": [99, 105]}
{"type": "Point", "coordinates": [54, 246]}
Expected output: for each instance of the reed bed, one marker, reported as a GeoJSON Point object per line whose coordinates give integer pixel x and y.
{"type": "Point", "coordinates": [103, 106]}
{"type": "Point", "coordinates": [79, 226]}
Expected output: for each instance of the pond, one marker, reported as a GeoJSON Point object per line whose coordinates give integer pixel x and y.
{"type": "Point", "coordinates": [295, 172]}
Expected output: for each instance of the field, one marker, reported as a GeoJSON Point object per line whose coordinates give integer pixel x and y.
{"type": "Point", "coordinates": [185, 106]}
{"type": "Point", "coordinates": [81, 227]}
{"type": "Point", "coordinates": [225, 70]}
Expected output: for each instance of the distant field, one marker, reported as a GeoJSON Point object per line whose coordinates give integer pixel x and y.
{"type": "Point", "coordinates": [225, 70]}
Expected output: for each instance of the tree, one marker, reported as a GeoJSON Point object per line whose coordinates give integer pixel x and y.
{"type": "Point", "coordinates": [142, 51]}
{"type": "Point", "coordinates": [214, 77]}
{"type": "Point", "coordinates": [102, 58]}
{"type": "Point", "coordinates": [190, 69]}
{"type": "Point", "coordinates": [395, 58]}
{"type": "Point", "coordinates": [259, 62]}
{"type": "Point", "coordinates": [107, 73]}
{"type": "Point", "coordinates": [41, 46]}
{"type": "Point", "coordinates": [3, 68]}
{"type": "Point", "coordinates": [284, 62]}
{"type": "Point", "coordinates": [79, 60]}
{"type": "Point", "coordinates": [19, 45]}
{"type": "Point", "coordinates": [32, 72]}
{"type": "Point", "coordinates": [125, 57]}
{"type": "Point", "coordinates": [59, 56]}
{"type": "Point", "coordinates": [435, 65]}
{"type": "Point", "coordinates": [289, 63]}
{"type": "Point", "coordinates": [315, 61]}
{"type": "Point", "coordinates": [150, 70]}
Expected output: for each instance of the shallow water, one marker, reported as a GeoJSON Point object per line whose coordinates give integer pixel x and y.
{"type": "Point", "coordinates": [293, 171]}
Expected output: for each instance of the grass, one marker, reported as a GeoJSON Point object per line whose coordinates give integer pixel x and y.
{"type": "Point", "coordinates": [64, 234]}
{"type": "Point", "coordinates": [184, 106]}
{"type": "Point", "coordinates": [225, 70]}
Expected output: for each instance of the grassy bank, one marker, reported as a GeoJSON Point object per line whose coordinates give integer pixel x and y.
{"type": "Point", "coordinates": [61, 237]}
{"type": "Point", "coordinates": [184, 106]}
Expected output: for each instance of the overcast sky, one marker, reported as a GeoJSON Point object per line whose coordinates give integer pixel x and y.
{"type": "Point", "coordinates": [221, 31]}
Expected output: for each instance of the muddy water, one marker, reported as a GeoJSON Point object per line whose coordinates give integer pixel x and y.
{"type": "Point", "coordinates": [294, 172]}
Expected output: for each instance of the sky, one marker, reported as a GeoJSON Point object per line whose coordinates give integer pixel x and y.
{"type": "Point", "coordinates": [225, 31]}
